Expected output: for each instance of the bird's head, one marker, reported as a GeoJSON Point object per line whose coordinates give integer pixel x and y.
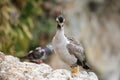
{"type": "Point", "coordinates": [60, 20]}
{"type": "Point", "coordinates": [36, 54]}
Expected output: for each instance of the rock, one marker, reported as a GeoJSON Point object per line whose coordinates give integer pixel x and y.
{"type": "Point", "coordinates": [59, 74]}
{"type": "Point", "coordinates": [12, 69]}
{"type": "Point", "coordinates": [2, 57]}
{"type": "Point", "coordinates": [85, 76]}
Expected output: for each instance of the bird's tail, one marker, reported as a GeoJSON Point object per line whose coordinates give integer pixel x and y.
{"type": "Point", "coordinates": [85, 66]}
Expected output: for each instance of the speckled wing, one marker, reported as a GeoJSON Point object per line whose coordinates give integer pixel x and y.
{"type": "Point", "coordinates": [75, 48]}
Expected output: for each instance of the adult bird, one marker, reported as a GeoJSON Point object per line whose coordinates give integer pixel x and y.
{"type": "Point", "coordinates": [69, 50]}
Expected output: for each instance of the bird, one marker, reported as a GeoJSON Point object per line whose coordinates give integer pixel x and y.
{"type": "Point", "coordinates": [68, 48]}
{"type": "Point", "coordinates": [39, 54]}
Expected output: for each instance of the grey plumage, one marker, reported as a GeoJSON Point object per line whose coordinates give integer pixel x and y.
{"type": "Point", "coordinates": [39, 54]}
{"type": "Point", "coordinates": [69, 50]}
{"type": "Point", "coordinates": [77, 49]}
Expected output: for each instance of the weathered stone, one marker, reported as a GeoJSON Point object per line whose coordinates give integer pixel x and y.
{"type": "Point", "coordinates": [12, 69]}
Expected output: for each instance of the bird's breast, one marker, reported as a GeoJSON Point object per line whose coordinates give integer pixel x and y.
{"type": "Point", "coordinates": [59, 46]}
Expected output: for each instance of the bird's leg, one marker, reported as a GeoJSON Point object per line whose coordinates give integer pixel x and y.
{"type": "Point", "coordinates": [39, 62]}
{"type": "Point", "coordinates": [75, 69]}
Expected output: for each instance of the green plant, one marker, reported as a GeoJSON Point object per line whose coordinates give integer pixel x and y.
{"type": "Point", "coordinates": [22, 25]}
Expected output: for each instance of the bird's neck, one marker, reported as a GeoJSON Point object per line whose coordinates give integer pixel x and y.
{"type": "Point", "coordinates": [60, 37]}
{"type": "Point", "coordinates": [60, 32]}
{"type": "Point", "coordinates": [48, 50]}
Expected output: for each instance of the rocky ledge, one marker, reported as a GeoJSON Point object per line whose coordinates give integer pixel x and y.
{"type": "Point", "coordinates": [12, 69]}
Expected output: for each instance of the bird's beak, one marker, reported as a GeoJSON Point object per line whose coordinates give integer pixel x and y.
{"type": "Point", "coordinates": [61, 24]}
